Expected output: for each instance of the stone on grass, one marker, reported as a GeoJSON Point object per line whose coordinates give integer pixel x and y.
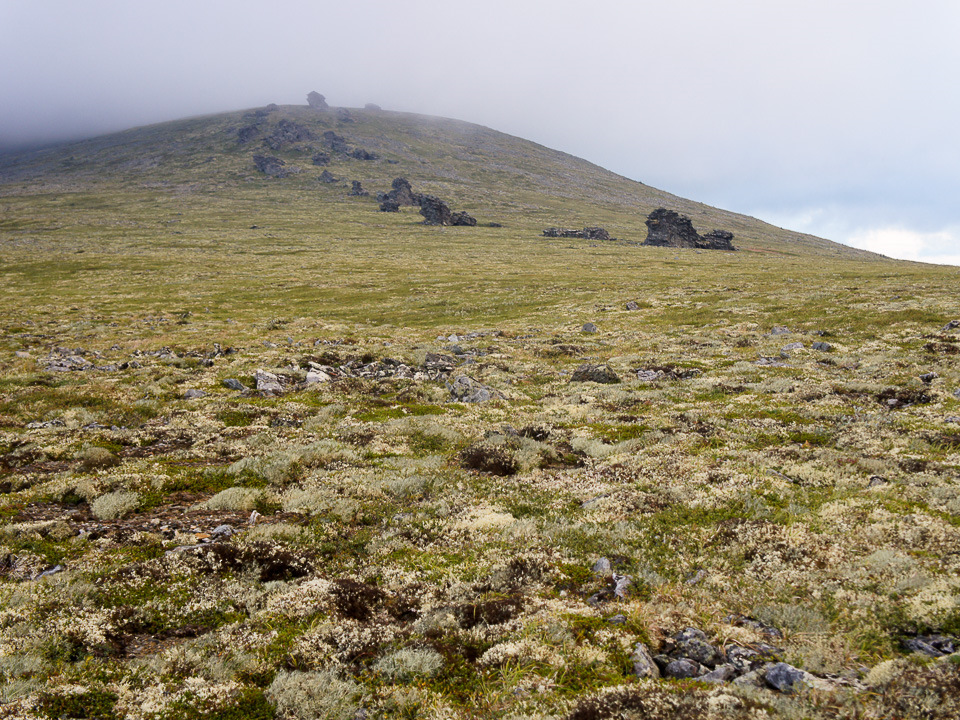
{"type": "Point", "coordinates": [632, 306]}
{"type": "Point", "coordinates": [193, 394]}
{"type": "Point", "coordinates": [233, 384]}
{"type": "Point", "coordinates": [317, 376]}
{"type": "Point", "coordinates": [268, 382]}
{"type": "Point", "coordinates": [683, 669]}
{"type": "Point", "coordinates": [467, 390]}
{"type": "Point", "coordinates": [822, 346]}
{"type": "Point", "coordinates": [595, 373]}
{"type": "Point", "coordinates": [602, 567]}
{"type": "Point", "coordinates": [589, 327]}
{"type": "Point", "coordinates": [783, 677]}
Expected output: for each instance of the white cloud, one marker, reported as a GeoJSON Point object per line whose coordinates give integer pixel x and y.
{"type": "Point", "coordinates": [942, 247]}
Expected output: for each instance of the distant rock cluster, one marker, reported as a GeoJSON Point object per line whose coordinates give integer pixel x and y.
{"type": "Point", "coordinates": [588, 233]}
{"type": "Point", "coordinates": [434, 210]}
{"type": "Point", "coordinates": [667, 228]}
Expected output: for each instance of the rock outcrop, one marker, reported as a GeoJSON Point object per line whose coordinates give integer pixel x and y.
{"type": "Point", "coordinates": [436, 212]}
{"type": "Point", "coordinates": [336, 143]}
{"type": "Point", "coordinates": [287, 133]}
{"type": "Point", "coordinates": [317, 101]}
{"type": "Point", "coordinates": [357, 189]}
{"type": "Point", "coordinates": [667, 228]}
{"type": "Point", "coordinates": [401, 193]}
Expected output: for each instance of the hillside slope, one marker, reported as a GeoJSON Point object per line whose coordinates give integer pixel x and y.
{"type": "Point", "coordinates": [496, 176]}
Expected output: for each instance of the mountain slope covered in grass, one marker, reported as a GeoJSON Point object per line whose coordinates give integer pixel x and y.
{"type": "Point", "coordinates": [266, 451]}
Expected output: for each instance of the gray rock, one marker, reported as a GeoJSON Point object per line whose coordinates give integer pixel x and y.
{"type": "Point", "coordinates": [780, 330]}
{"type": "Point", "coordinates": [617, 620]}
{"type": "Point", "coordinates": [22, 354]}
{"type": "Point", "coordinates": [632, 306]}
{"type": "Point", "coordinates": [468, 390]}
{"type": "Point", "coordinates": [52, 571]}
{"type": "Point", "coordinates": [929, 377]}
{"type": "Point", "coordinates": [233, 384]}
{"type": "Point", "coordinates": [743, 659]}
{"type": "Point", "coordinates": [595, 373]}
{"type": "Point", "coordinates": [317, 376]}
{"type": "Point", "coordinates": [602, 567]}
{"type": "Point", "coordinates": [952, 419]}
{"type": "Point", "coordinates": [643, 664]}
{"type": "Point", "coordinates": [956, 393]}
{"type": "Point", "coordinates": [317, 101]}
{"type": "Point", "coordinates": [193, 393]}
{"type": "Point", "coordinates": [720, 674]}
{"type": "Point", "coordinates": [650, 375]}
{"type": "Point", "coordinates": [787, 349]}
{"type": "Point", "coordinates": [783, 677]}
{"type": "Point", "coordinates": [754, 678]}
{"type": "Point", "coordinates": [589, 328]}
{"type": "Point", "coordinates": [822, 346]}
{"type": "Point", "coordinates": [682, 669]}
{"type": "Point", "coordinates": [328, 177]}
{"type": "Point", "coordinates": [273, 166]}
{"type": "Point", "coordinates": [692, 644]}
{"type": "Point", "coordinates": [952, 325]}
{"type": "Point", "coordinates": [222, 532]}
{"type": "Point", "coordinates": [357, 189]}
{"type": "Point", "coordinates": [268, 382]}
{"type": "Point", "coordinates": [621, 585]}
{"type": "Point", "coordinates": [877, 481]}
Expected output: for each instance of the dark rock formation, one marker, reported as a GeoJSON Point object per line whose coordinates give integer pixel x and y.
{"type": "Point", "coordinates": [335, 142]}
{"type": "Point", "coordinates": [247, 133]}
{"type": "Point", "coordinates": [388, 205]}
{"type": "Point", "coordinates": [588, 233]}
{"type": "Point", "coordinates": [403, 193]}
{"type": "Point", "coordinates": [273, 166]}
{"type": "Point", "coordinates": [321, 159]}
{"type": "Point", "coordinates": [317, 101]}
{"type": "Point", "coordinates": [361, 154]}
{"type": "Point", "coordinates": [286, 133]}
{"type": "Point", "coordinates": [357, 189]}
{"type": "Point", "coordinates": [435, 211]}
{"type": "Point", "coordinates": [666, 228]}
{"type": "Point", "coordinates": [372, 106]}
{"type": "Point", "coordinates": [327, 177]}
{"type": "Point", "coordinates": [719, 240]}
{"type": "Point", "coordinates": [344, 116]}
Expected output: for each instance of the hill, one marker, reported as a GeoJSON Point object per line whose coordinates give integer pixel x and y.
{"type": "Point", "coordinates": [266, 451]}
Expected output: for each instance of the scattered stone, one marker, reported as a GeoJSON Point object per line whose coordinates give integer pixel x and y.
{"type": "Point", "coordinates": [193, 394]}
{"type": "Point", "coordinates": [233, 384]}
{"type": "Point", "coordinates": [632, 306]}
{"type": "Point", "coordinates": [357, 189]}
{"type": "Point", "coordinates": [822, 346]}
{"type": "Point", "coordinates": [68, 363]}
{"type": "Point", "coordinates": [320, 159]}
{"type": "Point", "coordinates": [595, 373]}
{"type": "Point", "coordinates": [268, 382]}
{"type": "Point", "coordinates": [791, 347]}
{"type": "Point", "coordinates": [643, 664]}
{"type": "Point", "coordinates": [756, 625]}
{"type": "Point", "coordinates": [467, 390]}
{"type": "Point", "coordinates": [327, 177]}
{"type": "Point", "coordinates": [361, 154]}
{"type": "Point", "coordinates": [335, 143]}
{"type": "Point", "coordinates": [952, 325]}
{"type": "Point", "coordinates": [769, 362]}
{"type": "Point", "coordinates": [621, 583]}
{"type": "Point", "coordinates": [273, 166]}
{"type": "Point", "coordinates": [617, 620]}
{"type": "Point", "coordinates": [783, 677]}
{"type": "Point", "coordinates": [602, 567]}
{"type": "Point", "coordinates": [247, 133]}
{"type": "Point", "coordinates": [317, 101]}
{"type": "Point", "coordinates": [780, 330]}
{"type": "Point", "coordinates": [692, 644]}
{"type": "Point", "coordinates": [287, 133]}
{"type": "Point", "coordinates": [589, 327]}
{"type": "Point", "coordinates": [666, 228]}
{"type": "Point", "coordinates": [929, 377]}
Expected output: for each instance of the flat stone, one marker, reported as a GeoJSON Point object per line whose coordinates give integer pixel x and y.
{"type": "Point", "coordinates": [779, 330]}
{"type": "Point", "coordinates": [683, 669]}
{"type": "Point", "coordinates": [783, 677]}
{"type": "Point", "coordinates": [317, 376]}
{"type": "Point", "coordinates": [193, 393]}
{"type": "Point", "coordinates": [233, 384]}
{"type": "Point", "coordinates": [791, 347]}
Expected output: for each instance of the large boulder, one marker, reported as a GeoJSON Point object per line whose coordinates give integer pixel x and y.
{"type": "Point", "coordinates": [667, 228]}
{"type": "Point", "coordinates": [435, 211]}
{"type": "Point", "coordinates": [463, 219]}
{"type": "Point", "coordinates": [317, 101]}
{"type": "Point", "coordinates": [402, 193]}
{"type": "Point", "coordinates": [335, 142]}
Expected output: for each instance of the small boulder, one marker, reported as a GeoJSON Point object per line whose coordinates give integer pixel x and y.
{"type": "Point", "coordinates": [193, 394]}
{"type": "Point", "coordinates": [822, 346]}
{"type": "Point", "coordinates": [320, 159]}
{"type": "Point", "coordinates": [720, 674]}
{"type": "Point", "coordinates": [435, 211]}
{"type": "Point", "coordinates": [335, 142]}
{"type": "Point", "coordinates": [273, 166]}
{"type": "Point", "coordinates": [462, 219]}
{"type": "Point", "coordinates": [783, 677]}
{"type": "Point", "coordinates": [327, 177]}
{"type": "Point", "coordinates": [683, 669]}
{"type": "Point", "coordinates": [361, 154]}
{"type": "Point", "coordinates": [595, 373]}
{"type": "Point", "coordinates": [233, 384]}
{"type": "Point", "coordinates": [357, 189]}
{"type": "Point", "coordinates": [952, 325]}
{"type": "Point", "coordinates": [268, 382]}
{"type": "Point", "coordinates": [632, 306]}
{"type": "Point", "coordinates": [388, 205]}
{"type": "Point", "coordinates": [589, 328]}
{"type": "Point", "coordinates": [467, 390]}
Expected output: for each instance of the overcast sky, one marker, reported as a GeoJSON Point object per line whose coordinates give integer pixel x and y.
{"type": "Point", "coordinates": [840, 118]}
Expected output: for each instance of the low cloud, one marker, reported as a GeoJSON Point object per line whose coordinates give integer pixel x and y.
{"type": "Point", "coordinates": [942, 247]}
